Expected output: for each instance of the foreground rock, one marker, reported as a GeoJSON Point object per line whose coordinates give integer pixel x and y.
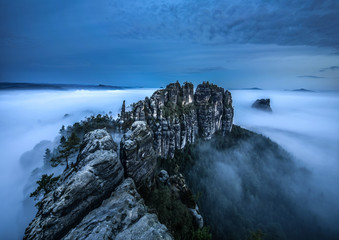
{"type": "Point", "coordinates": [122, 216]}
{"type": "Point", "coordinates": [262, 104]}
{"type": "Point", "coordinates": [71, 210]}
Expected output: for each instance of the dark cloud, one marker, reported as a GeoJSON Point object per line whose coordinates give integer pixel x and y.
{"type": "Point", "coordinates": [309, 76]}
{"type": "Point", "coordinates": [83, 40]}
{"type": "Point", "coordinates": [278, 22]}
{"type": "Point", "coordinates": [287, 22]}
{"type": "Point", "coordinates": [332, 68]}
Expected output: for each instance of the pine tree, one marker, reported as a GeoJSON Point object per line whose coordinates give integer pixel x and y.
{"type": "Point", "coordinates": [47, 156]}
{"type": "Point", "coordinates": [66, 149]}
{"type": "Point", "coordinates": [45, 185]}
{"type": "Point", "coordinates": [62, 130]}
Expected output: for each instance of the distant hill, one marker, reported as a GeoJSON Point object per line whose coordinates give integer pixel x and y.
{"type": "Point", "coordinates": [302, 90]}
{"type": "Point", "coordinates": [47, 86]}
{"type": "Point", "coordinates": [253, 88]}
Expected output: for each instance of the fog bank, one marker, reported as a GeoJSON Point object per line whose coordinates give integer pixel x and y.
{"type": "Point", "coordinates": [306, 125]}
{"type": "Point", "coordinates": [29, 117]}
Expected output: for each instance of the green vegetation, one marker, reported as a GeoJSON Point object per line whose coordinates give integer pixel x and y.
{"type": "Point", "coordinates": [202, 234]}
{"type": "Point", "coordinates": [243, 182]}
{"type": "Point", "coordinates": [46, 184]}
{"type": "Point", "coordinates": [171, 110]}
{"type": "Point", "coordinates": [171, 211]}
{"type": "Point", "coordinates": [212, 86]}
{"type": "Point", "coordinates": [66, 149]}
{"type": "Point", "coordinates": [257, 235]}
{"type": "Point", "coordinates": [47, 156]}
{"type": "Point", "coordinates": [92, 123]}
{"type": "Point", "coordinates": [73, 135]}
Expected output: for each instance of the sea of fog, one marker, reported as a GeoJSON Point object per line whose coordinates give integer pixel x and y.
{"type": "Point", "coordinates": [304, 123]}
{"type": "Point", "coordinates": [28, 118]}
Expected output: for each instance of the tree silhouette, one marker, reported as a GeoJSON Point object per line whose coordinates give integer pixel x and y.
{"type": "Point", "coordinates": [66, 149]}
{"type": "Point", "coordinates": [45, 185]}
{"type": "Point", "coordinates": [47, 156]}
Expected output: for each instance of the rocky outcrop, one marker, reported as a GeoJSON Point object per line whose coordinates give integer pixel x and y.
{"type": "Point", "coordinates": [177, 116]}
{"type": "Point", "coordinates": [94, 141]}
{"type": "Point", "coordinates": [122, 216]}
{"type": "Point", "coordinates": [263, 104]}
{"type": "Point", "coordinates": [81, 190]}
{"type": "Point", "coordinates": [137, 153]}
{"type": "Point", "coordinates": [214, 110]}
{"type": "Point", "coordinates": [93, 201]}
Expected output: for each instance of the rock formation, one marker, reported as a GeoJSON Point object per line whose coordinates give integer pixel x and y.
{"type": "Point", "coordinates": [262, 104]}
{"type": "Point", "coordinates": [122, 216]}
{"type": "Point", "coordinates": [177, 115]}
{"type": "Point", "coordinates": [137, 153]}
{"type": "Point", "coordinates": [97, 198]}
{"type": "Point", "coordinates": [80, 192]}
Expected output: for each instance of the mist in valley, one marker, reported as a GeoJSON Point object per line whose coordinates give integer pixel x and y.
{"type": "Point", "coordinates": [304, 124]}
{"type": "Point", "coordinates": [256, 186]}
{"type": "Point", "coordinates": [30, 123]}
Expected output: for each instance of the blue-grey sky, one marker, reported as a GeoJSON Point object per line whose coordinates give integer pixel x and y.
{"type": "Point", "coordinates": [272, 44]}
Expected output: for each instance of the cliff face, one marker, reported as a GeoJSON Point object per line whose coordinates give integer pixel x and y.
{"type": "Point", "coordinates": [177, 115]}
{"type": "Point", "coordinates": [137, 153]}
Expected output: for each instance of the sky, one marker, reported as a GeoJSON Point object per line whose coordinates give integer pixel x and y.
{"type": "Point", "coordinates": [271, 44]}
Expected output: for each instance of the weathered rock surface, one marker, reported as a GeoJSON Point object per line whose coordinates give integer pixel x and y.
{"type": "Point", "coordinates": [122, 216]}
{"type": "Point", "coordinates": [148, 227]}
{"type": "Point", "coordinates": [98, 173]}
{"type": "Point", "coordinates": [263, 104]}
{"type": "Point", "coordinates": [137, 153]}
{"type": "Point", "coordinates": [177, 116]}
{"type": "Point", "coordinates": [98, 139]}
{"type": "Point", "coordinates": [92, 201]}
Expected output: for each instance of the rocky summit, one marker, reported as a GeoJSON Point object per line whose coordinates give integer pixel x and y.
{"type": "Point", "coordinates": [98, 196]}
{"type": "Point", "coordinates": [263, 104]}
{"type": "Point", "coordinates": [177, 115]}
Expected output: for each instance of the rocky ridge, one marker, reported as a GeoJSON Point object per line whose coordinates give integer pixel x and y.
{"type": "Point", "coordinates": [98, 196]}
{"type": "Point", "coordinates": [177, 115]}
